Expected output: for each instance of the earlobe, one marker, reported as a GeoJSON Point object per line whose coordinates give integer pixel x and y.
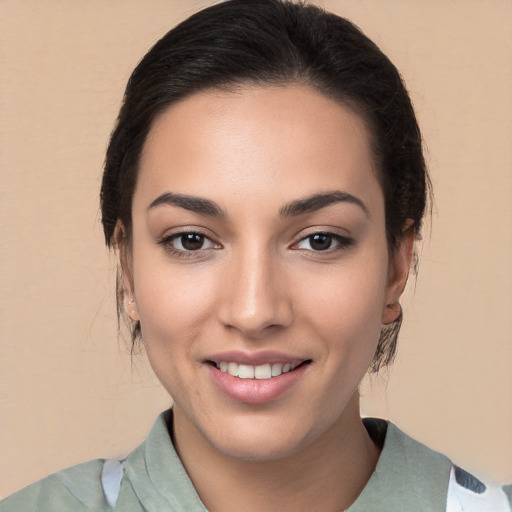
{"type": "Point", "coordinates": [125, 276]}
{"type": "Point", "coordinates": [399, 266]}
{"type": "Point", "coordinates": [131, 309]}
{"type": "Point", "coordinates": [392, 313]}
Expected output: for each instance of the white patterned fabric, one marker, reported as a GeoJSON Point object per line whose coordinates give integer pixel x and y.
{"type": "Point", "coordinates": [111, 476]}
{"type": "Point", "coordinates": [468, 494]}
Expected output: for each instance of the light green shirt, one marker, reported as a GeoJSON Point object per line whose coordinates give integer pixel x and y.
{"type": "Point", "coordinates": [408, 476]}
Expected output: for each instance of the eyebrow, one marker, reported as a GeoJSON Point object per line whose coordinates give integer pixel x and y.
{"type": "Point", "coordinates": [318, 201]}
{"type": "Point", "coordinates": [192, 203]}
{"type": "Point", "coordinates": [292, 209]}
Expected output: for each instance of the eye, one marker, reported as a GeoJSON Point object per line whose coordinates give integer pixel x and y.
{"type": "Point", "coordinates": [319, 241]}
{"type": "Point", "coordinates": [323, 242]}
{"type": "Point", "coordinates": [187, 242]}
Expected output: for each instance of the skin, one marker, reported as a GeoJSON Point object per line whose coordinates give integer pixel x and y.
{"type": "Point", "coordinates": [257, 282]}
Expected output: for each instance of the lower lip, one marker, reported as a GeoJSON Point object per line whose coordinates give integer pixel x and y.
{"type": "Point", "coordinates": [255, 391]}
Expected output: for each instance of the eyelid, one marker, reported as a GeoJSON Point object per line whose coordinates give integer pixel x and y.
{"type": "Point", "coordinates": [185, 230]}
{"type": "Point", "coordinates": [178, 236]}
{"type": "Point", "coordinates": [343, 242]}
{"type": "Point", "coordinates": [167, 239]}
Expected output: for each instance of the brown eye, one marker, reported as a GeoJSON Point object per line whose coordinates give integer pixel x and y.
{"type": "Point", "coordinates": [188, 242]}
{"type": "Point", "coordinates": [320, 241]}
{"type": "Point", "coordinates": [324, 241]}
{"type": "Point", "coordinates": [192, 241]}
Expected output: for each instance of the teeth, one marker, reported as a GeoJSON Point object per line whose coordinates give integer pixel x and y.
{"type": "Point", "coordinates": [277, 369]}
{"type": "Point", "coordinates": [264, 371]}
{"type": "Point", "coordinates": [245, 371]}
{"type": "Point", "coordinates": [232, 369]}
{"type": "Point", "coordinates": [261, 372]}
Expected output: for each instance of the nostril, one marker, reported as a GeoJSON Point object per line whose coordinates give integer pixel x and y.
{"type": "Point", "coordinates": [255, 305]}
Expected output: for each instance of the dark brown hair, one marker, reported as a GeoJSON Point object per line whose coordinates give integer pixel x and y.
{"type": "Point", "coordinates": [274, 42]}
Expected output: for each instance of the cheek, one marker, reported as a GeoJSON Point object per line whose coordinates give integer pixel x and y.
{"type": "Point", "coordinates": [173, 302]}
{"type": "Point", "coordinates": [357, 289]}
{"type": "Point", "coordinates": [345, 307]}
{"type": "Point", "coordinates": [175, 309]}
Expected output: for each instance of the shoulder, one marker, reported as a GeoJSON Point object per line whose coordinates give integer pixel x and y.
{"type": "Point", "coordinates": [410, 472]}
{"type": "Point", "coordinates": [152, 475]}
{"type": "Point", "coordinates": [77, 488]}
{"type": "Point", "coordinates": [466, 493]}
{"type": "Point", "coordinates": [462, 491]}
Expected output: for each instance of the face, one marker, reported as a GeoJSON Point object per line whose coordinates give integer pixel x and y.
{"type": "Point", "coordinates": [259, 267]}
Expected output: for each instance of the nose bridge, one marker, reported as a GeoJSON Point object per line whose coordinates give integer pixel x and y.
{"type": "Point", "coordinates": [255, 298]}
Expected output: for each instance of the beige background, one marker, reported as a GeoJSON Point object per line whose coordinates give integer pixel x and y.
{"type": "Point", "coordinates": [68, 390]}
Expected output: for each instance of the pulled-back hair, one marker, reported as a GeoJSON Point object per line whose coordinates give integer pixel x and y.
{"type": "Point", "coordinates": [273, 42]}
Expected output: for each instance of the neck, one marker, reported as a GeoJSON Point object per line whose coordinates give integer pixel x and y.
{"type": "Point", "coordinates": [326, 475]}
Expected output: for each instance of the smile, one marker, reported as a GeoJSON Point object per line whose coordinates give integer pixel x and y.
{"type": "Point", "coordinates": [256, 384]}
{"type": "Point", "coordinates": [261, 372]}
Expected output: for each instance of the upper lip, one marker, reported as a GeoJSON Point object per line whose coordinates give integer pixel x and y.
{"type": "Point", "coordinates": [255, 358]}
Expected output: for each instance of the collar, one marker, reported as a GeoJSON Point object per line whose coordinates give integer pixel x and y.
{"type": "Point", "coordinates": [407, 472]}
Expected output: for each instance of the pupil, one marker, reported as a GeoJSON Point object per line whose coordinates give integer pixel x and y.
{"type": "Point", "coordinates": [192, 241]}
{"type": "Point", "coordinates": [321, 242]}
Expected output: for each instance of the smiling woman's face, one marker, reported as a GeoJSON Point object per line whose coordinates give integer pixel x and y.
{"type": "Point", "coordinates": [259, 267]}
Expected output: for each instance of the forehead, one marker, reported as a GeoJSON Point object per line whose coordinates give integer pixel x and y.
{"type": "Point", "coordinates": [272, 142]}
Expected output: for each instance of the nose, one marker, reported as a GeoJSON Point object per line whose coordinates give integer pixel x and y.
{"type": "Point", "coordinates": [256, 298]}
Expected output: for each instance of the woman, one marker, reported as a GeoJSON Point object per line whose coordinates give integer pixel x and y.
{"type": "Point", "coordinates": [263, 187]}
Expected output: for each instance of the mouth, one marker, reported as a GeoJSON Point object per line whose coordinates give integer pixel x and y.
{"type": "Point", "coordinates": [260, 372]}
{"type": "Point", "coordinates": [258, 378]}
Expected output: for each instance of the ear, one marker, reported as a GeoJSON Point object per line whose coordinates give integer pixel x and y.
{"type": "Point", "coordinates": [398, 272]}
{"type": "Point", "coordinates": [126, 292]}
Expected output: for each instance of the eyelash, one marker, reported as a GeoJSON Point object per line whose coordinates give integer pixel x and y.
{"type": "Point", "coordinates": [167, 243]}
{"type": "Point", "coordinates": [341, 243]}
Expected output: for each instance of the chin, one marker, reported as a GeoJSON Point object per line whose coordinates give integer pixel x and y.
{"type": "Point", "coordinates": [256, 438]}
{"type": "Point", "coordinates": [259, 450]}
